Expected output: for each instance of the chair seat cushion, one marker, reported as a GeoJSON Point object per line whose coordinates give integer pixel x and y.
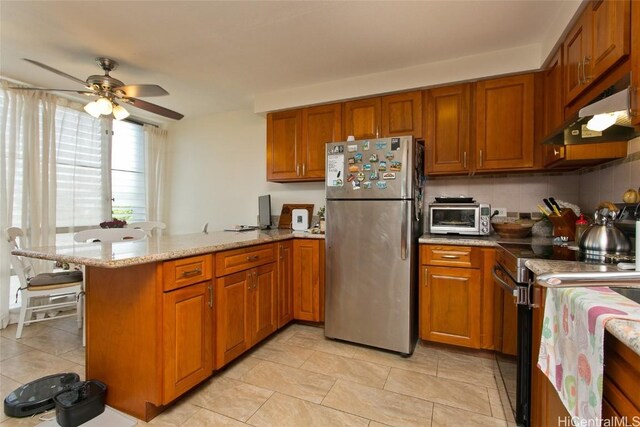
{"type": "Point", "coordinates": [46, 279]}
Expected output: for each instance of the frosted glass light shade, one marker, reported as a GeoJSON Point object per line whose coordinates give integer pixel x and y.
{"type": "Point", "coordinates": [600, 122]}
{"type": "Point", "coordinates": [119, 112]}
{"type": "Point", "coordinates": [93, 108]}
{"type": "Point", "coordinates": [106, 107]}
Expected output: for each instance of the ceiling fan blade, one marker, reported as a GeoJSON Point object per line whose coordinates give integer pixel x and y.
{"type": "Point", "coordinates": [134, 91]}
{"type": "Point", "coordinates": [144, 105]}
{"type": "Point", "coordinates": [88, 92]}
{"type": "Point", "coordinates": [58, 72]}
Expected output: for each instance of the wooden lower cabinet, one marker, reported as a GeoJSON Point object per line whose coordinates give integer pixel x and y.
{"type": "Point", "coordinates": [308, 280]}
{"type": "Point", "coordinates": [187, 338]}
{"type": "Point", "coordinates": [450, 306]}
{"type": "Point", "coordinates": [456, 295]}
{"type": "Point", "coordinates": [284, 252]}
{"type": "Point", "coordinates": [245, 311]}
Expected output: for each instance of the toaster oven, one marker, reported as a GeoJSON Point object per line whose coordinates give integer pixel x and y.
{"type": "Point", "coordinates": [460, 218]}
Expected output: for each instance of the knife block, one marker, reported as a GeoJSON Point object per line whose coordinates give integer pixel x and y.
{"type": "Point", "coordinates": [564, 224]}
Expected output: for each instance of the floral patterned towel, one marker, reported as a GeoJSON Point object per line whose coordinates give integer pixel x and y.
{"type": "Point", "coordinates": [572, 346]}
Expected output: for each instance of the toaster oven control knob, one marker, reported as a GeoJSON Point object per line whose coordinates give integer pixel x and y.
{"type": "Point", "coordinates": [484, 224]}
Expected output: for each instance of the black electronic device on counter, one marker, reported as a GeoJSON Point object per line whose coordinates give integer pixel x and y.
{"type": "Point", "coordinates": [37, 396]}
{"type": "Point", "coordinates": [80, 403]}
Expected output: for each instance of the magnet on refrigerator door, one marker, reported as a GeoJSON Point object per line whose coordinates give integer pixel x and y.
{"type": "Point", "coordinates": [373, 158]}
{"type": "Point", "coordinates": [366, 185]}
{"type": "Point", "coordinates": [337, 149]}
{"type": "Point", "coordinates": [360, 176]}
{"type": "Point", "coordinates": [356, 185]}
{"type": "Point", "coordinates": [366, 167]}
{"type": "Point", "coordinates": [395, 166]}
{"type": "Point", "coordinates": [365, 146]}
{"type": "Point", "coordinates": [395, 144]}
{"type": "Point", "coordinates": [389, 175]}
{"type": "Point", "coordinates": [381, 185]}
{"type": "Point", "coordinates": [352, 148]}
{"type": "Point", "coordinates": [351, 177]}
{"type": "Point", "coordinates": [381, 145]}
{"type": "Point", "coordinates": [358, 157]}
{"type": "Point", "coordinates": [389, 155]}
{"type": "Point", "coordinates": [354, 168]}
{"type": "Point", "coordinates": [382, 166]}
{"type": "Point", "coordinates": [373, 176]}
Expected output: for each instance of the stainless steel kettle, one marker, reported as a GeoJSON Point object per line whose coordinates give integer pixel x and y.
{"type": "Point", "coordinates": [602, 238]}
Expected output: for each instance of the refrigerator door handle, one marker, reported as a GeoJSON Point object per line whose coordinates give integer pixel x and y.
{"type": "Point", "coordinates": [406, 173]}
{"type": "Point", "coordinates": [403, 231]}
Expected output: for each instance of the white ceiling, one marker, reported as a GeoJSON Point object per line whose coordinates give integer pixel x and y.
{"type": "Point", "coordinates": [214, 56]}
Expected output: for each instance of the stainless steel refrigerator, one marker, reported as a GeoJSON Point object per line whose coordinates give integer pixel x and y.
{"type": "Point", "coordinates": [373, 219]}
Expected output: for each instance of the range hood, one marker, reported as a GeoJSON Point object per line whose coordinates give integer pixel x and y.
{"type": "Point", "coordinates": [612, 100]}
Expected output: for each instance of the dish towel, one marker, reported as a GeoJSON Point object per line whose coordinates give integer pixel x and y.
{"type": "Point", "coordinates": [572, 345]}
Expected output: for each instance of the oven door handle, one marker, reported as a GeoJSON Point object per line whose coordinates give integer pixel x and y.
{"type": "Point", "coordinates": [513, 290]}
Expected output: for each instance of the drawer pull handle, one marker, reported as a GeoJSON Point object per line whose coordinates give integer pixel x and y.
{"type": "Point", "coordinates": [451, 256]}
{"type": "Point", "coordinates": [193, 272]}
{"type": "Point", "coordinates": [253, 258]}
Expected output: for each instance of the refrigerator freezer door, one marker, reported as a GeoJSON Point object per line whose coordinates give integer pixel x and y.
{"type": "Point", "coordinates": [371, 169]}
{"type": "Point", "coordinates": [370, 275]}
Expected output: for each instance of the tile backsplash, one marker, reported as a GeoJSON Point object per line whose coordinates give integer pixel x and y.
{"type": "Point", "coordinates": [521, 193]}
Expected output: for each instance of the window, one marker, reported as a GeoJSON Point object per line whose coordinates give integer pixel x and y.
{"type": "Point", "coordinates": [127, 172]}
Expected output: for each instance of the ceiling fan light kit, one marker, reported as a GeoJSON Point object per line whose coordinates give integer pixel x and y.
{"type": "Point", "coordinates": [109, 90]}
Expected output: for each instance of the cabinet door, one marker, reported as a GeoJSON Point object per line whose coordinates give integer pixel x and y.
{"type": "Point", "coordinates": [187, 338]}
{"type": "Point", "coordinates": [285, 282]}
{"type": "Point", "coordinates": [576, 48]}
{"type": "Point", "coordinates": [232, 328]}
{"type": "Point", "coordinates": [284, 134]}
{"type": "Point", "coordinates": [402, 114]}
{"type": "Point", "coordinates": [504, 123]}
{"type": "Point", "coordinates": [263, 320]}
{"type": "Point", "coordinates": [362, 118]}
{"type": "Point", "coordinates": [320, 125]}
{"type": "Point", "coordinates": [553, 92]}
{"type": "Point", "coordinates": [447, 132]}
{"type": "Point", "coordinates": [450, 306]}
{"type": "Point", "coordinates": [610, 26]}
{"type": "Point", "coordinates": [308, 280]}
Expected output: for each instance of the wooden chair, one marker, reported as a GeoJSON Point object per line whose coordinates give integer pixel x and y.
{"type": "Point", "coordinates": [49, 285]}
{"type": "Point", "coordinates": [109, 235]}
{"type": "Point", "coordinates": [147, 226]}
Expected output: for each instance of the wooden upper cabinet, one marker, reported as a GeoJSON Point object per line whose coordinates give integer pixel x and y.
{"type": "Point", "coordinates": [296, 141]}
{"type": "Point", "coordinates": [504, 123]}
{"type": "Point", "coordinates": [448, 112]}
{"type": "Point", "coordinates": [284, 133]}
{"type": "Point", "coordinates": [595, 43]}
{"type": "Point", "coordinates": [610, 27]}
{"type": "Point", "coordinates": [553, 94]}
{"type": "Point", "coordinates": [320, 125]}
{"type": "Point", "coordinates": [635, 64]}
{"type": "Point", "coordinates": [402, 114]}
{"type": "Point", "coordinates": [575, 51]}
{"type": "Point", "coordinates": [361, 118]}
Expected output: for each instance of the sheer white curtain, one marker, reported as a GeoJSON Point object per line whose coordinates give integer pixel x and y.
{"type": "Point", "coordinates": [27, 156]}
{"type": "Point", "coordinates": [155, 142]}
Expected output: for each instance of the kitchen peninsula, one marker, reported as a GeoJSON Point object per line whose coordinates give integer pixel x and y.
{"type": "Point", "coordinates": [164, 313]}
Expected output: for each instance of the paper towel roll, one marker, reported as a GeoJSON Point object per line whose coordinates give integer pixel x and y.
{"type": "Point", "coordinates": [638, 245]}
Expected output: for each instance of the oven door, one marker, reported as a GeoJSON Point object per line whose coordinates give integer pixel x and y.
{"type": "Point", "coordinates": [454, 219]}
{"type": "Point", "coordinates": [516, 373]}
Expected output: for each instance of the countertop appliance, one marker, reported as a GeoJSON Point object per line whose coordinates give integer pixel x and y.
{"type": "Point", "coordinates": [373, 221]}
{"type": "Point", "coordinates": [472, 219]}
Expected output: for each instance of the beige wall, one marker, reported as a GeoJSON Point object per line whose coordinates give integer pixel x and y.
{"type": "Point", "coordinates": [216, 169]}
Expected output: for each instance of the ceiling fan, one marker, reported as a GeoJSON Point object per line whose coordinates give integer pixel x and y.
{"type": "Point", "coordinates": [111, 92]}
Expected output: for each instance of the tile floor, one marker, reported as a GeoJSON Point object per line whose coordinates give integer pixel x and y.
{"type": "Point", "coordinates": [296, 378]}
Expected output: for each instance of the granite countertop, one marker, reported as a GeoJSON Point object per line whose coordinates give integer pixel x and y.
{"type": "Point", "coordinates": [490, 240]}
{"type": "Point", "coordinates": [158, 248]}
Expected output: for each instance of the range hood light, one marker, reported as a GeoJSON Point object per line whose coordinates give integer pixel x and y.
{"type": "Point", "coordinates": [600, 122]}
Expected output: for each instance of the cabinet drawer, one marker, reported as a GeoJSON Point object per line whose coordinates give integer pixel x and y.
{"type": "Point", "coordinates": [452, 256]}
{"type": "Point", "coordinates": [235, 260]}
{"type": "Point", "coordinates": [187, 271]}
